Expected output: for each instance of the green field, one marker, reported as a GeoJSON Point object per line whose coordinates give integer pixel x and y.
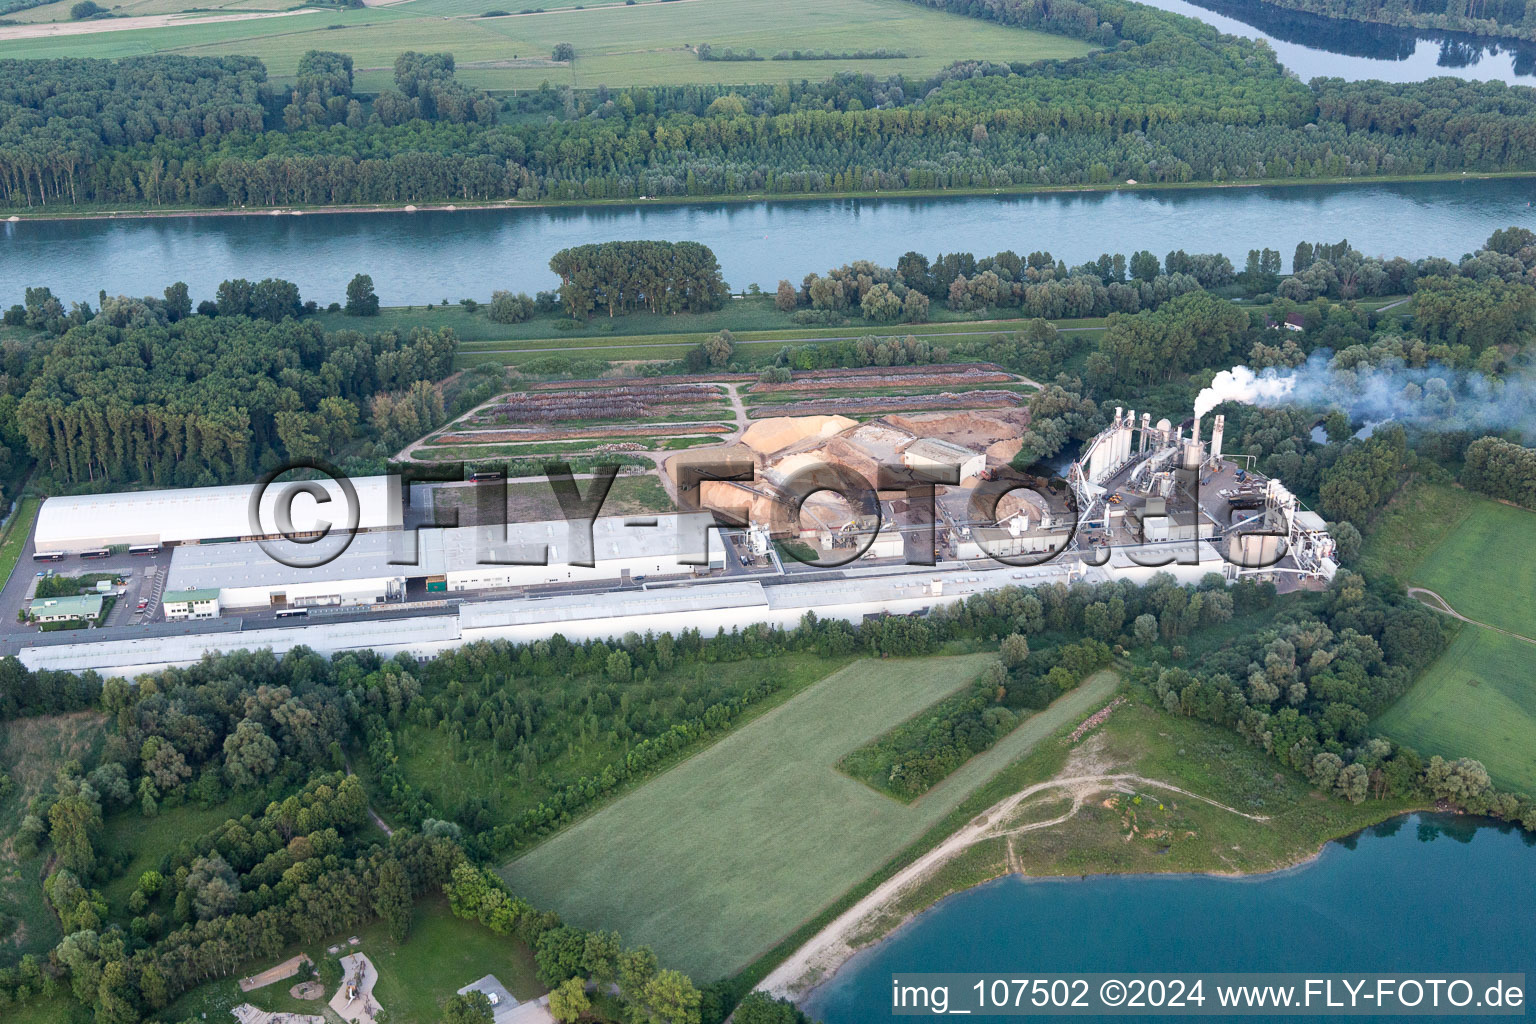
{"type": "Point", "coordinates": [147, 841]}
{"type": "Point", "coordinates": [59, 11]}
{"type": "Point", "coordinates": [718, 859]}
{"type": "Point", "coordinates": [17, 529]}
{"type": "Point", "coordinates": [1486, 567]}
{"type": "Point", "coordinates": [1477, 553]}
{"type": "Point", "coordinates": [1415, 521]}
{"type": "Point", "coordinates": [1478, 700]}
{"type": "Point", "coordinates": [648, 43]}
{"type": "Point", "coordinates": [1113, 833]}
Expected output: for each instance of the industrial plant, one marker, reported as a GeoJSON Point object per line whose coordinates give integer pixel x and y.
{"type": "Point", "coordinates": [1142, 498]}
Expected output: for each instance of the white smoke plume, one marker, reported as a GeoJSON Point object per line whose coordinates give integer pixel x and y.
{"type": "Point", "coordinates": [1241, 384]}
{"type": "Point", "coordinates": [1436, 397]}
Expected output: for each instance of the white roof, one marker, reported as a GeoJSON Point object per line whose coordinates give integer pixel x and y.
{"type": "Point", "coordinates": [582, 607]}
{"type": "Point", "coordinates": [207, 513]}
{"type": "Point", "coordinates": [432, 552]}
{"type": "Point", "coordinates": [325, 637]}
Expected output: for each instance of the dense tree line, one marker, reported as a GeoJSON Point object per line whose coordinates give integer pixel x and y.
{"type": "Point", "coordinates": [144, 390]}
{"type": "Point", "coordinates": [1172, 101]}
{"type": "Point", "coordinates": [923, 751]}
{"type": "Point", "coordinates": [1501, 469]}
{"type": "Point", "coordinates": [569, 958]}
{"type": "Point", "coordinates": [1307, 688]}
{"type": "Point", "coordinates": [626, 277]}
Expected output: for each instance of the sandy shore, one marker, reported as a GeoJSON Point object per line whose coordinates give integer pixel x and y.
{"type": "Point", "coordinates": [815, 962]}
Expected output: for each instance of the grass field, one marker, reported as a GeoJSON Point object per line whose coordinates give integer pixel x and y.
{"type": "Point", "coordinates": [1486, 566]}
{"type": "Point", "coordinates": [1477, 700]}
{"type": "Point", "coordinates": [59, 11]}
{"type": "Point", "coordinates": [452, 772]}
{"type": "Point", "coordinates": [715, 861]}
{"type": "Point", "coordinates": [1477, 553]}
{"type": "Point", "coordinates": [17, 529]}
{"type": "Point", "coordinates": [31, 751]}
{"type": "Point", "coordinates": [647, 43]}
{"type": "Point", "coordinates": [1144, 829]}
{"type": "Point", "coordinates": [752, 320]}
{"type": "Point", "coordinates": [441, 955]}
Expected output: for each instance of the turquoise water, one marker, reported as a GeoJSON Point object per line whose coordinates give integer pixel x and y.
{"type": "Point", "coordinates": [429, 256]}
{"type": "Point", "coordinates": [1421, 892]}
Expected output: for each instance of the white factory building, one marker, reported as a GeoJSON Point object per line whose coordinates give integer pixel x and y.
{"type": "Point", "coordinates": [932, 454]}
{"type": "Point", "coordinates": [197, 515]}
{"type": "Point", "coordinates": [387, 566]}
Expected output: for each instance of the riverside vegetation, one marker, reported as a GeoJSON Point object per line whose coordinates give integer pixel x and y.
{"type": "Point", "coordinates": [1168, 101]}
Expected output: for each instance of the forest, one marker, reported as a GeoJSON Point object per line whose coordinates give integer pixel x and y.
{"type": "Point", "coordinates": [1306, 689]}
{"type": "Point", "coordinates": [150, 391]}
{"type": "Point", "coordinates": [1170, 101]}
{"type": "Point", "coordinates": [265, 732]}
{"type": "Point", "coordinates": [1302, 678]}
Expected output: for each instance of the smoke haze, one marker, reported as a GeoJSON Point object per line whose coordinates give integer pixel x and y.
{"type": "Point", "coordinates": [1435, 396]}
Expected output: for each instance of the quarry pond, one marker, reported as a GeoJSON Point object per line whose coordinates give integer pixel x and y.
{"type": "Point", "coordinates": [1421, 892]}
{"type": "Point", "coordinates": [428, 256]}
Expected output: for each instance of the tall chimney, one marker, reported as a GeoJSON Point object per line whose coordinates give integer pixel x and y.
{"type": "Point", "coordinates": [1221, 423]}
{"type": "Point", "coordinates": [1195, 430]}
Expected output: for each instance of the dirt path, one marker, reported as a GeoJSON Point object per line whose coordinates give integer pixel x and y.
{"type": "Point", "coordinates": [739, 408]}
{"type": "Point", "coordinates": [1443, 606]}
{"type": "Point", "coordinates": [815, 961]}
{"type": "Point", "coordinates": [51, 29]}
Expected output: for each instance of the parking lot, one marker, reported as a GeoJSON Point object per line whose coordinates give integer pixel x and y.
{"type": "Point", "coordinates": [143, 580]}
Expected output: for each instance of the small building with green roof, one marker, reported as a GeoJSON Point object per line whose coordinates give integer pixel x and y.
{"type": "Point", "coordinates": [65, 609]}
{"type": "Point", "coordinates": [191, 604]}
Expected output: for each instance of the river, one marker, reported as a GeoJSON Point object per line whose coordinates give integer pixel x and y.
{"type": "Point", "coordinates": [427, 256]}
{"type": "Point", "coordinates": [1313, 46]}
{"type": "Point", "coordinates": [1417, 893]}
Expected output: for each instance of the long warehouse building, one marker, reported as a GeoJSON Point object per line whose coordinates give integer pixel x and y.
{"type": "Point", "coordinates": [200, 515]}
{"type": "Point", "coordinates": [389, 566]}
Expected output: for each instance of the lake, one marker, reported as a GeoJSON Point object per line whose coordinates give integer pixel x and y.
{"type": "Point", "coordinates": [1418, 893]}
{"type": "Point", "coordinates": [1314, 46]}
{"type": "Point", "coordinates": [427, 256]}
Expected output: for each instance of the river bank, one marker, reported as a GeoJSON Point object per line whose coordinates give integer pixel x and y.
{"type": "Point", "coordinates": [450, 254]}
{"type": "Point", "coordinates": [1363, 904]}
{"type": "Point", "coordinates": [179, 213]}
{"type": "Point", "coordinates": [1109, 804]}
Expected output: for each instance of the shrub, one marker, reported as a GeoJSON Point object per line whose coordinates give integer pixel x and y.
{"type": "Point", "coordinates": [507, 308]}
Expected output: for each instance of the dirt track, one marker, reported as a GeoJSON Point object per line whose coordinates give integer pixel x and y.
{"type": "Point", "coordinates": [816, 961]}
{"type": "Point", "coordinates": [1443, 606]}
